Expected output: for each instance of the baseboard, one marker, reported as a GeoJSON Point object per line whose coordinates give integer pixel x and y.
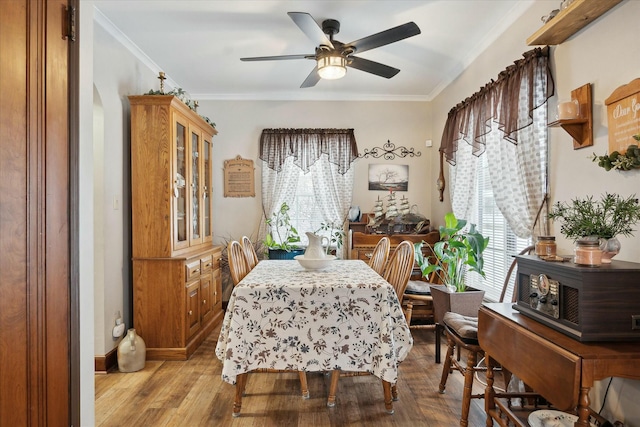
{"type": "Point", "coordinates": [104, 364]}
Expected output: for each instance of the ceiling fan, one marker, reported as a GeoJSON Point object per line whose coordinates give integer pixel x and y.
{"type": "Point", "coordinates": [332, 56]}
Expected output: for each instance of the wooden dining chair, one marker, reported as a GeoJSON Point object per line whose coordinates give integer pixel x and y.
{"type": "Point", "coordinates": [418, 296]}
{"type": "Point", "coordinates": [397, 273]}
{"type": "Point", "coordinates": [380, 255]}
{"type": "Point", "coordinates": [237, 262]}
{"type": "Point", "coordinates": [249, 252]}
{"type": "Point", "coordinates": [462, 332]}
{"type": "Point", "coordinates": [239, 268]}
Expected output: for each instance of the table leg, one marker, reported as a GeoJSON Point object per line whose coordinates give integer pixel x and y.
{"type": "Point", "coordinates": [388, 401]}
{"type": "Point", "coordinates": [241, 381]}
{"type": "Point", "coordinates": [303, 384]}
{"type": "Point", "coordinates": [438, 332]}
{"type": "Point", "coordinates": [489, 392]}
{"type": "Point", "coordinates": [333, 388]}
{"type": "Point", "coordinates": [583, 408]}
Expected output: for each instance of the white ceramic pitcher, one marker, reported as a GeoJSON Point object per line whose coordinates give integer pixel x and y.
{"type": "Point", "coordinates": [315, 250]}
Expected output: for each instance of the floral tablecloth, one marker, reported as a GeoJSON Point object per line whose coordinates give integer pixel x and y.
{"type": "Point", "coordinates": [281, 316]}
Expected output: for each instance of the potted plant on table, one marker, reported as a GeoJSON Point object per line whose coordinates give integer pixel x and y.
{"type": "Point", "coordinates": [601, 220]}
{"type": "Point", "coordinates": [282, 239]}
{"type": "Point", "coordinates": [457, 252]}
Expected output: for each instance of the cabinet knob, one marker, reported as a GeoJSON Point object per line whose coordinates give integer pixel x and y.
{"type": "Point", "coordinates": [204, 301]}
{"type": "Point", "coordinates": [190, 312]}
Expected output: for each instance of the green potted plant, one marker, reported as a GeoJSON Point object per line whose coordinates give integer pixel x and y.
{"type": "Point", "coordinates": [335, 234]}
{"type": "Point", "coordinates": [457, 252]}
{"type": "Point", "coordinates": [602, 220]}
{"type": "Point", "coordinates": [282, 239]}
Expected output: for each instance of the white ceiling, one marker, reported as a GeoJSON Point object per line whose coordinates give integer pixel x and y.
{"type": "Point", "coordinates": [198, 44]}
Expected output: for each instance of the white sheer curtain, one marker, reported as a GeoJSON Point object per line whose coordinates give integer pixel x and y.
{"type": "Point", "coordinates": [518, 175]}
{"type": "Point", "coordinates": [507, 122]}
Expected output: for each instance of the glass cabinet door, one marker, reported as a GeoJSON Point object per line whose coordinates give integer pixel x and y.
{"type": "Point", "coordinates": [206, 190]}
{"type": "Point", "coordinates": [196, 199]}
{"type": "Point", "coordinates": [180, 238]}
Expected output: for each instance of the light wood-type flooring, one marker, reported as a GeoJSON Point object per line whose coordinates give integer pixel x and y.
{"type": "Point", "coordinates": [191, 393]}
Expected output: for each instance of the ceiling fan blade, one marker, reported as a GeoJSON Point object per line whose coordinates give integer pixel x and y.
{"type": "Point", "coordinates": [391, 35]}
{"type": "Point", "coordinates": [278, 58]}
{"type": "Point", "coordinates": [372, 67]}
{"type": "Point", "coordinates": [312, 79]}
{"type": "Point", "coordinates": [310, 27]}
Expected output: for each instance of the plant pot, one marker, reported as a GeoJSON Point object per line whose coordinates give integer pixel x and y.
{"type": "Point", "coordinates": [466, 303]}
{"type": "Point", "coordinates": [282, 254]}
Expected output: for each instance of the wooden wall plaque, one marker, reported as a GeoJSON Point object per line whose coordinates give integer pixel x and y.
{"type": "Point", "coordinates": [623, 116]}
{"type": "Point", "coordinates": [239, 180]}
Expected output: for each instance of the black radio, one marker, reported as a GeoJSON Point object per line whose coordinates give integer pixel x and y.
{"type": "Point", "coordinates": [586, 303]}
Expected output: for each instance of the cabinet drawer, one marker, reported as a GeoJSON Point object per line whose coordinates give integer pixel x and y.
{"type": "Point", "coordinates": [192, 269]}
{"type": "Point", "coordinates": [365, 254]}
{"type": "Point", "coordinates": [206, 263]}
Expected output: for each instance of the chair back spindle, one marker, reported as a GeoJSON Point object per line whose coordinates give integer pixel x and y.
{"type": "Point", "coordinates": [399, 268]}
{"type": "Point", "coordinates": [249, 252]}
{"type": "Point", "coordinates": [380, 255]}
{"type": "Point", "coordinates": [237, 262]}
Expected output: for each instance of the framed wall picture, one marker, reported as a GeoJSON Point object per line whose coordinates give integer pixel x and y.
{"type": "Point", "coordinates": [239, 178]}
{"type": "Point", "coordinates": [388, 177]}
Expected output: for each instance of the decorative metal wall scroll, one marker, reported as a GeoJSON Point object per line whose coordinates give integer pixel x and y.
{"type": "Point", "coordinates": [389, 151]}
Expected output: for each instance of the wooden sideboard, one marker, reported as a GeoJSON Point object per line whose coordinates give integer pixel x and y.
{"type": "Point", "coordinates": [557, 367]}
{"type": "Point", "coordinates": [362, 244]}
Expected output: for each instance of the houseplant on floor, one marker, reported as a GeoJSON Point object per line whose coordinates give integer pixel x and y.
{"type": "Point", "coordinates": [282, 239]}
{"type": "Point", "coordinates": [601, 220]}
{"type": "Point", "coordinates": [457, 252]}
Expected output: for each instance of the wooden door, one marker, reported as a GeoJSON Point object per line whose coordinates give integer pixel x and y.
{"type": "Point", "coordinates": [35, 237]}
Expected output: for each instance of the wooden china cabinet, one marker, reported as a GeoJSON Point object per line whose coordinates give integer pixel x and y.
{"type": "Point", "coordinates": [177, 287]}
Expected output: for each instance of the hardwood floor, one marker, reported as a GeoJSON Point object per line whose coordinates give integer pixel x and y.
{"type": "Point", "coordinates": [191, 393]}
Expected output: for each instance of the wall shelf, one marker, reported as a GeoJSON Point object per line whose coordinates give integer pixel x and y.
{"type": "Point", "coordinates": [581, 128]}
{"type": "Point", "coordinates": [569, 21]}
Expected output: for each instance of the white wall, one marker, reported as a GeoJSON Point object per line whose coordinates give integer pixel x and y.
{"type": "Point", "coordinates": [604, 54]}
{"type": "Point", "coordinates": [240, 124]}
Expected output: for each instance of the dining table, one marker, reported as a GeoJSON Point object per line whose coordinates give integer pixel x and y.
{"type": "Point", "coordinates": [345, 317]}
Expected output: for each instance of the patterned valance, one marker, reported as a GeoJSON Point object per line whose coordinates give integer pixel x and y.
{"type": "Point", "coordinates": [525, 85]}
{"type": "Point", "coordinates": [306, 146]}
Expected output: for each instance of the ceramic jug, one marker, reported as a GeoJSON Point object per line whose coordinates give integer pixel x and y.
{"type": "Point", "coordinates": [315, 250]}
{"type": "Point", "coordinates": [132, 352]}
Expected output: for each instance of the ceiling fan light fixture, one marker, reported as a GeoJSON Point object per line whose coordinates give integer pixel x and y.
{"type": "Point", "coordinates": [332, 67]}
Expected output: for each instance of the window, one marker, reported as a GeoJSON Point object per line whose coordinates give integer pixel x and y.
{"type": "Point", "coordinates": [305, 211]}
{"type": "Point", "coordinates": [309, 170]}
{"type": "Point", "coordinates": [503, 243]}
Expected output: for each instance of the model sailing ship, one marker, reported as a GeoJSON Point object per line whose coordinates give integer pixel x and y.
{"type": "Point", "coordinates": [392, 210]}
{"type": "Point", "coordinates": [404, 207]}
{"type": "Point", "coordinates": [378, 210]}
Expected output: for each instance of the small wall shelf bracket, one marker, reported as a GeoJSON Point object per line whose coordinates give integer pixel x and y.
{"type": "Point", "coordinates": [581, 129]}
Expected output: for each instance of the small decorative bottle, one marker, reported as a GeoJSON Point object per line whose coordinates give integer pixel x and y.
{"type": "Point", "coordinates": [587, 252]}
{"type": "Point", "coordinates": [132, 352]}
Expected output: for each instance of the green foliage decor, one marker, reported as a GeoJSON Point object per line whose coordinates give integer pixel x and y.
{"type": "Point", "coordinates": [457, 251]}
{"type": "Point", "coordinates": [608, 217]}
{"type": "Point", "coordinates": [280, 224]}
{"type": "Point", "coordinates": [182, 95]}
{"type": "Point", "coordinates": [617, 161]}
